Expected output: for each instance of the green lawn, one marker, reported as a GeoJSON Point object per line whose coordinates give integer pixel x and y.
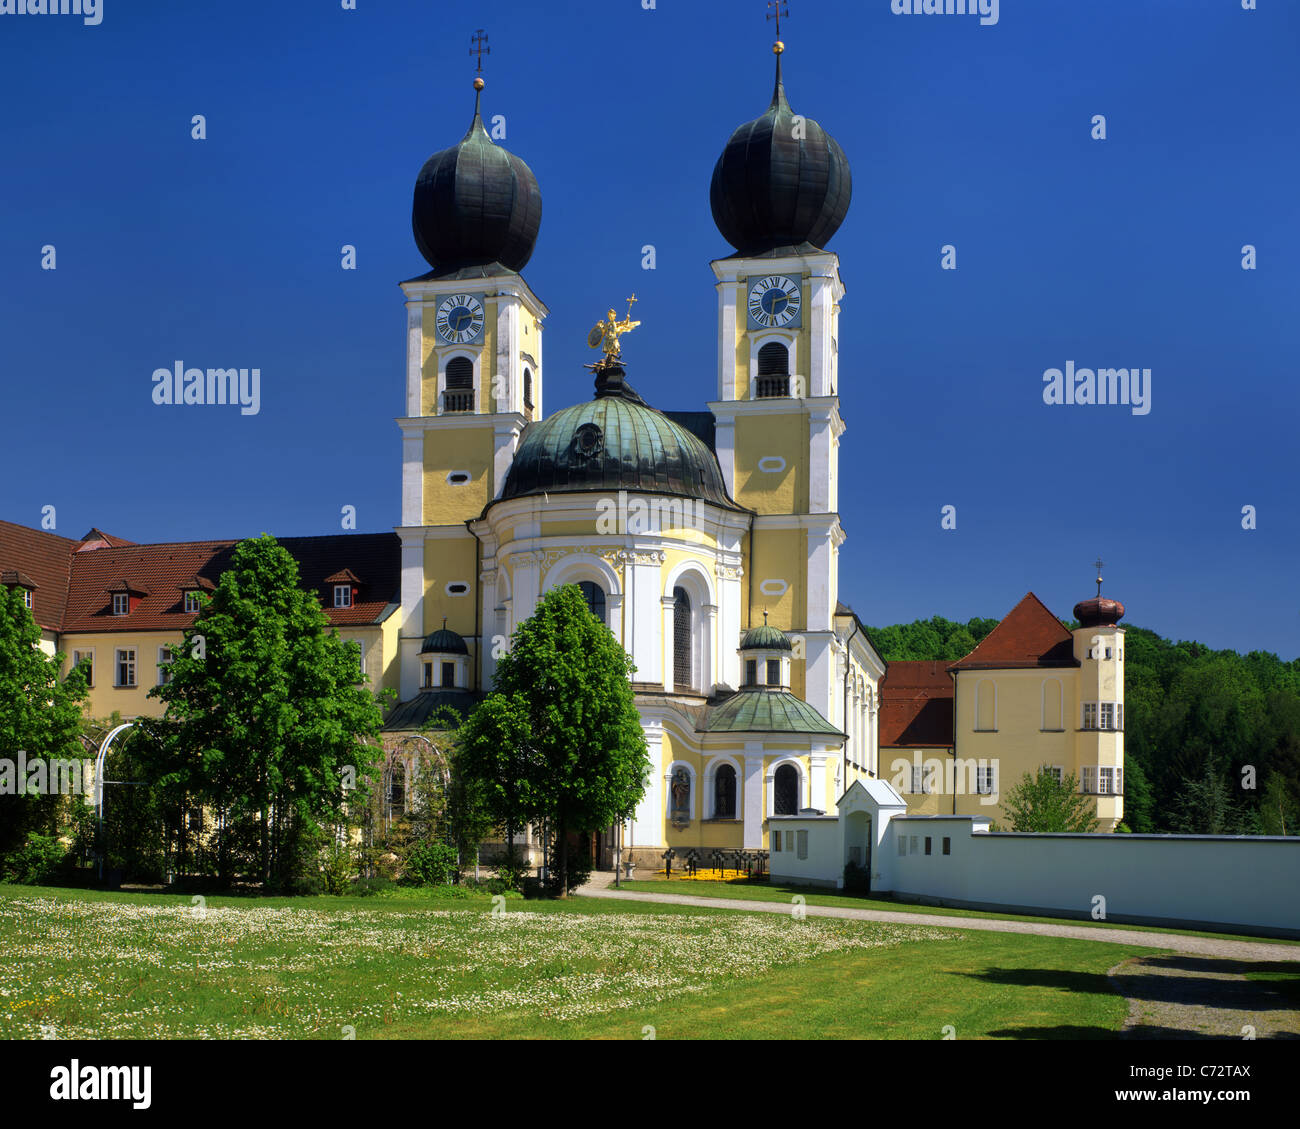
{"type": "Point", "coordinates": [122, 965]}
{"type": "Point", "coordinates": [817, 896]}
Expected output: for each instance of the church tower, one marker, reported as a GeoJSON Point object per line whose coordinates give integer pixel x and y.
{"type": "Point", "coordinates": [1099, 739]}
{"type": "Point", "coordinates": [780, 190]}
{"type": "Point", "coordinates": [473, 377]}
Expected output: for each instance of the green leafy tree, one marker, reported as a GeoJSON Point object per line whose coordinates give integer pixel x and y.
{"type": "Point", "coordinates": [560, 740]}
{"type": "Point", "coordinates": [1042, 803]}
{"type": "Point", "coordinates": [265, 710]}
{"type": "Point", "coordinates": [1139, 805]}
{"type": "Point", "coordinates": [40, 715]}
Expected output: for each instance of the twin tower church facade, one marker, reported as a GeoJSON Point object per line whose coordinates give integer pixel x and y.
{"type": "Point", "coordinates": [708, 542]}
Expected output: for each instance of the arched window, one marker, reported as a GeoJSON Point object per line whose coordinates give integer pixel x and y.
{"type": "Point", "coordinates": [773, 370]}
{"type": "Point", "coordinates": [682, 640]}
{"type": "Point", "coordinates": [528, 388]}
{"type": "Point", "coordinates": [785, 787]}
{"type": "Point", "coordinates": [459, 396]}
{"type": "Point", "coordinates": [679, 791]}
{"type": "Point", "coordinates": [594, 594]}
{"type": "Point", "coordinates": [724, 792]}
{"type": "Point", "coordinates": [396, 789]}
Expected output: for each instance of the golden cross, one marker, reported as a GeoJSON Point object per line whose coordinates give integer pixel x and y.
{"type": "Point", "coordinates": [629, 305]}
{"type": "Point", "coordinates": [1099, 563]}
{"type": "Point", "coordinates": [779, 8]}
{"type": "Point", "coordinates": [479, 40]}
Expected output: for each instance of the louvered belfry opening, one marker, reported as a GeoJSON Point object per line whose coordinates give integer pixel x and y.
{"type": "Point", "coordinates": [773, 371]}
{"type": "Point", "coordinates": [459, 396]}
{"type": "Point", "coordinates": [682, 679]}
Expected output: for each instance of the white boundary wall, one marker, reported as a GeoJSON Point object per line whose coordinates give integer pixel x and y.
{"type": "Point", "coordinates": [1221, 880]}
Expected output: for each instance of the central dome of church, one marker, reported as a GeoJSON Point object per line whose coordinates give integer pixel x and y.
{"type": "Point", "coordinates": [782, 183]}
{"type": "Point", "coordinates": [614, 442]}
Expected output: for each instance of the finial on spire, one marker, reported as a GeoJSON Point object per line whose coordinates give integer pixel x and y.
{"type": "Point", "coordinates": [605, 334]}
{"type": "Point", "coordinates": [444, 623]}
{"type": "Point", "coordinates": [1100, 564]}
{"type": "Point", "coordinates": [765, 617]}
{"type": "Point", "coordinates": [479, 48]}
{"type": "Point", "coordinates": [777, 9]}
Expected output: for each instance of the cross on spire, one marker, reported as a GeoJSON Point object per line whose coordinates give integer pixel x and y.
{"type": "Point", "coordinates": [480, 48]}
{"type": "Point", "coordinates": [778, 8]}
{"type": "Point", "coordinates": [1100, 564]}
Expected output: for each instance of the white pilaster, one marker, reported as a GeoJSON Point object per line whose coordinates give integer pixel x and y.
{"type": "Point", "coordinates": [753, 795]}
{"type": "Point", "coordinates": [414, 356]}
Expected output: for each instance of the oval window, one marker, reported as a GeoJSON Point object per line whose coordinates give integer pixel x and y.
{"type": "Point", "coordinates": [458, 477]}
{"type": "Point", "coordinates": [771, 464]}
{"type": "Point", "coordinates": [773, 587]}
{"type": "Point", "coordinates": [457, 589]}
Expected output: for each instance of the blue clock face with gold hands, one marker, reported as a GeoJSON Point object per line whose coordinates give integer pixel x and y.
{"type": "Point", "coordinates": [774, 302]}
{"type": "Point", "coordinates": [460, 319]}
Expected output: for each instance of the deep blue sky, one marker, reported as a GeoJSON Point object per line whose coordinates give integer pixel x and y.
{"type": "Point", "coordinates": [1117, 253]}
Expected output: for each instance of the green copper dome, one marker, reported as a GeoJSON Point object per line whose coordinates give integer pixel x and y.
{"type": "Point", "coordinates": [614, 442]}
{"type": "Point", "coordinates": [444, 642]}
{"type": "Point", "coordinates": [765, 638]}
{"type": "Point", "coordinates": [765, 711]}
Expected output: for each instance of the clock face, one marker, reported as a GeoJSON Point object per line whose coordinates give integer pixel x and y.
{"type": "Point", "coordinates": [460, 319]}
{"type": "Point", "coordinates": [774, 302]}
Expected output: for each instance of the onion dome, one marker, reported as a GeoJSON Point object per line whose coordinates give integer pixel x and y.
{"type": "Point", "coordinates": [780, 185]}
{"type": "Point", "coordinates": [444, 642]}
{"type": "Point", "coordinates": [615, 441]}
{"type": "Point", "coordinates": [765, 638]}
{"type": "Point", "coordinates": [1100, 611]}
{"type": "Point", "coordinates": [476, 205]}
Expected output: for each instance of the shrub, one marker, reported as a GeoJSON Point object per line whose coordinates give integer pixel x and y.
{"type": "Point", "coordinates": [857, 879]}
{"type": "Point", "coordinates": [36, 861]}
{"type": "Point", "coordinates": [367, 887]}
{"type": "Point", "coordinates": [431, 864]}
{"type": "Point", "coordinates": [336, 869]}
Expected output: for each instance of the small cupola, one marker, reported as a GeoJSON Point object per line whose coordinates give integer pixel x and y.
{"type": "Point", "coordinates": [765, 654]}
{"type": "Point", "coordinates": [1099, 611]}
{"type": "Point", "coordinates": [444, 661]}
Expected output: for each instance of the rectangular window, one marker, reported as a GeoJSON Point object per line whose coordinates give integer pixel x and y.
{"type": "Point", "coordinates": [947, 845]}
{"type": "Point", "coordinates": [194, 819]}
{"type": "Point", "coordinates": [27, 598]}
{"type": "Point", "coordinates": [1107, 781]}
{"type": "Point", "coordinates": [984, 779]}
{"type": "Point", "coordinates": [1108, 652]}
{"type": "Point", "coordinates": [774, 672]}
{"type": "Point", "coordinates": [121, 603]}
{"type": "Point", "coordinates": [927, 844]}
{"type": "Point", "coordinates": [427, 682]}
{"type": "Point", "coordinates": [1089, 715]}
{"type": "Point", "coordinates": [751, 672]}
{"type": "Point", "coordinates": [85, 659]}
{"type": "Point", "coordinates": [801, 841]}
{"type": "Point", "coordinates": [1107, 715]}
{"type": "Point", "coordinates": [1119, 715]}
{"type": "Point", "coordinates": [164, 673]}
{"type": "Point", "coordinates": [912, 847]}
{"type": "Point", "coordinates": [361, 656]}
{"type": "Point", "coordinates": [191, 601]}
{"type": "Point", "coordinates": [902, 844]}
{"type": "Point", "coordinates": [342, 595]}
{"type": "Point", "coordinates": [449, 674]}
{"type": "Point", "coordinates": [918, 779]}
{"type": "Point", "coordinates": [1056, 771]}
{"type": "Point", "coordinates": [776, 841]}
{"type": "Point", "coordinates": [1119, 781]}
{"type": "Point", "coordinates": [126, 667]}
{"type": "Point", "coordinates": [1088, 778]}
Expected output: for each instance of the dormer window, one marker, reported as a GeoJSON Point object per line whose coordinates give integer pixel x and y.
{"type": "Point", "coordinates": [192, 600]}
{"type": "Point", "coordinates": [27, 598]}
{"type": "Point", "coordinates": [121, 603]}
{"type": "Point", "coordinates": [343, 595]}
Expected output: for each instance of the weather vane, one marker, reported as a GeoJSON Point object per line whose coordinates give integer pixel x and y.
{"type": "Point", "coordinates": [480, 48]}
{"type": "Point", "coordinates": [778, 8]}
{"type": "Point", "coordinates": [605, 335]}
{"type": "Point", "coordinates": [1100, 564]}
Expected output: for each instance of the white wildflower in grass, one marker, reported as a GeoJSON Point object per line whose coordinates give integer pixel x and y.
{"type": "Point", "coordinates": [121, 969]}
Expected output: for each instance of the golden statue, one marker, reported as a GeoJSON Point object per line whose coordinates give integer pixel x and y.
{"type": "Point", "coordinates": [605, 334]}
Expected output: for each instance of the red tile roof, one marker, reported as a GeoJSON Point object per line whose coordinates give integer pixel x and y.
{"type": "Point", "coordinates": [1028, 636]}
{"type": "Point", "coordinates": [916, 706]}
{"type": "Point", "coordinates": [45, 558]}
{"type": "Point", "coordinates": [73, 582]}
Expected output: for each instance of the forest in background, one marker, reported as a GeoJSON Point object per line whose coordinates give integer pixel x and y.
{"type": "Point", "coordinates": [1212, 738]}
